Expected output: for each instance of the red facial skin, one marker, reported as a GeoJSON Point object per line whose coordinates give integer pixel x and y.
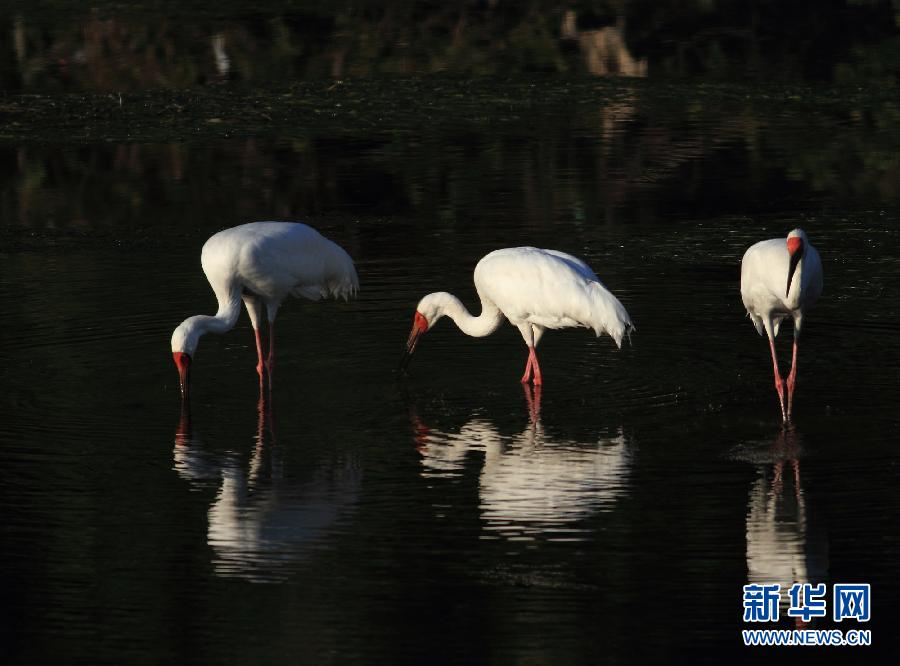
{"type": "Point", "coordinates": [420, 321]}
{"type": "Point", "coordinates": [795, 249]}
{"type": "Point", "coordinates": [420, 325]}
{"type": "Point", "coordinates": [183, 363]}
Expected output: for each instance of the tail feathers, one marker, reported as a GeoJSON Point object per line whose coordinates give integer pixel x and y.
{"type": "Point", "coordinates": [609, 315]}
{"type": "Point", "coordinates": [347, 286]}
{"type": "Point", "coordinates": [338, 278]}
{"type": "Point", "coordinates": [757, 322]}
{"type": "Point", "coordinates": [761, 326]}
{"type": "Point", "coordinates": [345, 289]}
{"type": "Point", "coordinates": [345, 283]}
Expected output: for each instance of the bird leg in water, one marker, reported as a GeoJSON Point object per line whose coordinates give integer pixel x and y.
{"type": "Point", "coordinates": [265, 417]}
{"type": "Point", "coordinates": [792, 381]}
{"type": "Point", "coordinates": [264, 404]}
{"type": "Point", "coordinates": [270, 361]}
{"type": "Point", "coordinates": [259, 355]}
{"type": "Point", "coordinates": [777, 479]}
{"type": "Point", "coordinates": [535, 366]}
{"type": "Point", "coordinates": [534, 402]}
{"type": "Point", "coordinates": [779, 384]}
{"type": "Point", "coordinates": [527, 376]}
{"type": "Point", "coordinates": [532, 366]}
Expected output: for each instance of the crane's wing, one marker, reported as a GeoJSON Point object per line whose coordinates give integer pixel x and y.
{"type": "Point", "coordinates": [551, 289]}
{"type": "Point", "coordinates": [576, 264]}
{"type": "Point", "coordinates": [763, 269]}
{"type": "Point", "coordinates": [281, 258]}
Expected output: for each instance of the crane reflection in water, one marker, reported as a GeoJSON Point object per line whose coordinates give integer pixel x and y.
{"type": "Point", "coordinates": [262, 520]}
{"type": "Point", "coordinates": [531, 483]}
{"type": "Point", "coordinates": [784, 543]}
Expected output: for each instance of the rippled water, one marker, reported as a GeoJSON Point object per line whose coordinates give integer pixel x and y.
{"type": "Point", "coordinates": [451, 515]}
{"type": "Point", "coordinates": [362, 516]}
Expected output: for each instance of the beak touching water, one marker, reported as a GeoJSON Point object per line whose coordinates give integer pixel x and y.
{"type": "Point", "coordinates": [795, 248]}
{"type": "Point", "coordinates": [420, 326]}
{"type": "Point", "coordinates": [183, 363]}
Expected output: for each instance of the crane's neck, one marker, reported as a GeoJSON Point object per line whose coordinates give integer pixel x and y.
{"type": "Point", "coordinates": [793, 294]}
{"type": "Point", "coordinates": [215, 324]}
{"type": "Point", "coordinates": [187, 335]}
{"type": "Point", "coordinates": [478, 327]}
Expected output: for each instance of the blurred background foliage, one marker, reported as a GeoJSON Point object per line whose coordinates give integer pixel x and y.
{"type": "Point", "coordinates": [721, 107]}
{"type": "Point", "coordinates": [122, 46]}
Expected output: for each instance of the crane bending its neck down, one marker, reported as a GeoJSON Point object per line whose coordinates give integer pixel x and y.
{"type": "Point", "coordinates": [439, 304]}
{"type": "Point", "coordinates": [183, 363]}
{"type": "Point", "coordinates": [261, 264]}
{"type": "Point", "coordinates": [186, 337]}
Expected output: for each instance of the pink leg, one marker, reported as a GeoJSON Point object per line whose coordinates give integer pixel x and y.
{"type": "Point", "coordinates": [270, 362]}
{"type": "Point", "coordinates": [527, 375]}
{"type": "Point", "coordinates": [259, 354]}
{"type": "Point", "coordinates": [779, 384]}
{"type": "Point", "coordinates": [792, 381]}
{"type": "Point", "coordinates": [537, 368]}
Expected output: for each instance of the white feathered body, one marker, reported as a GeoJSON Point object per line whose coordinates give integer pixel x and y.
{"type": "Point", "coordinates": [549, 289]}
{"type": "Point", "coordinates": [764, 271]}
{"type": "Point", "coordinates": [275, 259]}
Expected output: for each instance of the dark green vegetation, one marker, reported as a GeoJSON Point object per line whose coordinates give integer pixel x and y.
{"type": "Point", "coordinates": [125, 46]}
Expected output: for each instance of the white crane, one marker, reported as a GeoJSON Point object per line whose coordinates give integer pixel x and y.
{"type": "Point", "coordinates": [535, 290]}
{"type": "Point", "coordinates": [262, 263]}
{"type": "Point", "coordinates": [764, 269]}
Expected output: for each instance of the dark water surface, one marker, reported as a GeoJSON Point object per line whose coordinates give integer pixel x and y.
{"type": "Point", "coordinates": [452, 516]}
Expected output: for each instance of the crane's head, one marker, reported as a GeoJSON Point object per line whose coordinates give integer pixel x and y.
{"type": "Point", "coordinates": [796, 244]}
{"type": "Point", "coordinates": [428, 311]}
{"type": "Point", "coordinates": [184, 344]}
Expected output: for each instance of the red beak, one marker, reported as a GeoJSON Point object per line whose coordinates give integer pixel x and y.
{"type": "Point", "coordinates": [420, 326]}
{"type": "Point", "coordinates": [183, 363]}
